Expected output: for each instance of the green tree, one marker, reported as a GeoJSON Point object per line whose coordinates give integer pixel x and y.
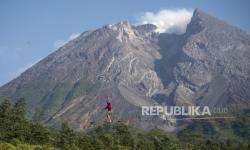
{"type": "Point", "coordinates": [123, 136]}
{"type": "Point", "coordinates": [21, 125]}
{"type": "Point", "coordinates": [191, 140]}
{"type": "Point", "coordinates": [39, 134]}
{"type": "Point", "coordinates": [162, 140]}
{"type": "Point", "coordinates": [143, 142]}
{"type": "Point", "coordinates": [68, 138]}
{"type": "Point", "coordinates": [19, 109]}
{"type": "Point", "coordinates": [38, 116]}
{"type": "Point", "coordinates": [6, 121]}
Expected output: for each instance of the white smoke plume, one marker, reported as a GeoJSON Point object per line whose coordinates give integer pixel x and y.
{"type": "Point", "coordinates": [168, 20]}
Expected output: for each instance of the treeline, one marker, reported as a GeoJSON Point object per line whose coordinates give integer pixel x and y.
{"type": "Point", "coordinates": [18, 132]}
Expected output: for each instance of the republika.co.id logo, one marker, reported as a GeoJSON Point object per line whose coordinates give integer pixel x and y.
{"type": "Point", "coordinates": [188, 112]}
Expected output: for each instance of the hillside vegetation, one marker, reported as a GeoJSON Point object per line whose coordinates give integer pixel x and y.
{"type": "Point", "coordinates": [19, 133]}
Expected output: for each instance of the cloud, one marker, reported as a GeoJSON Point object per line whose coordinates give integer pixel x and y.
{"type": "Point", "coordinates": [168, 20]}
{"type": "Point", "coordinates": [60, 43]}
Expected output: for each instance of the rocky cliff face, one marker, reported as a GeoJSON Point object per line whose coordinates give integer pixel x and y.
{"type": "Point", "coordinates": [208, 65]}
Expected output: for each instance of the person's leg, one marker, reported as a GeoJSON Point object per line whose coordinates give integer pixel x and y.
{"type": "Point", "coordinates": [109, 117]}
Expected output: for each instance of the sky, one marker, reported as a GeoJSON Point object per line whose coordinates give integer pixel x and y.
{"type": "Point", "coordinates": [30, 29]}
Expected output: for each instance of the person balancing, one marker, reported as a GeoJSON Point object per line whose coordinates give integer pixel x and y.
{"type": "Point", "coordinates": [109, 108]}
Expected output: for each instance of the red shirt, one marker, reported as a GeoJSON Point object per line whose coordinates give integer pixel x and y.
{"type": "Point", "coordinates": [109, 106]}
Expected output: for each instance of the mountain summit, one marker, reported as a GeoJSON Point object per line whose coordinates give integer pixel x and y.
{"type": "Point", "coordinates": [207, 65]}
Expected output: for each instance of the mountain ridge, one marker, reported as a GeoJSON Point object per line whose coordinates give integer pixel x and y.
{"type": "Point", "coordinates": [207, 65]}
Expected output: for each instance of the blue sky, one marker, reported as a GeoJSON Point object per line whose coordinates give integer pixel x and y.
{"type": "Point", "coordinates": [29, 29]}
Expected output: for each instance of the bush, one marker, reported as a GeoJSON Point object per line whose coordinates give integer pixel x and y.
{"type": "Point", "coordinates": [48, 147]}
{"type": "Point", "coordinates": [7, 146]}
{"type": "Point", "coordinates": [25, 147]}
{"type": "Point", "coordinates": [120, 147]}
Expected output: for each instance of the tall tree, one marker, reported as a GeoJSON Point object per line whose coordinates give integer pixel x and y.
{"type": "Point", "coordinates": [67, 137]}
{"type": "Point", "coordinates": [6, 120]}
{"type": "Point", "coordinates": [19, 109]}
{"type": "Point", "coordinates": [5, 108]}
{"type": "Point", "coordinates": [21, 126]}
